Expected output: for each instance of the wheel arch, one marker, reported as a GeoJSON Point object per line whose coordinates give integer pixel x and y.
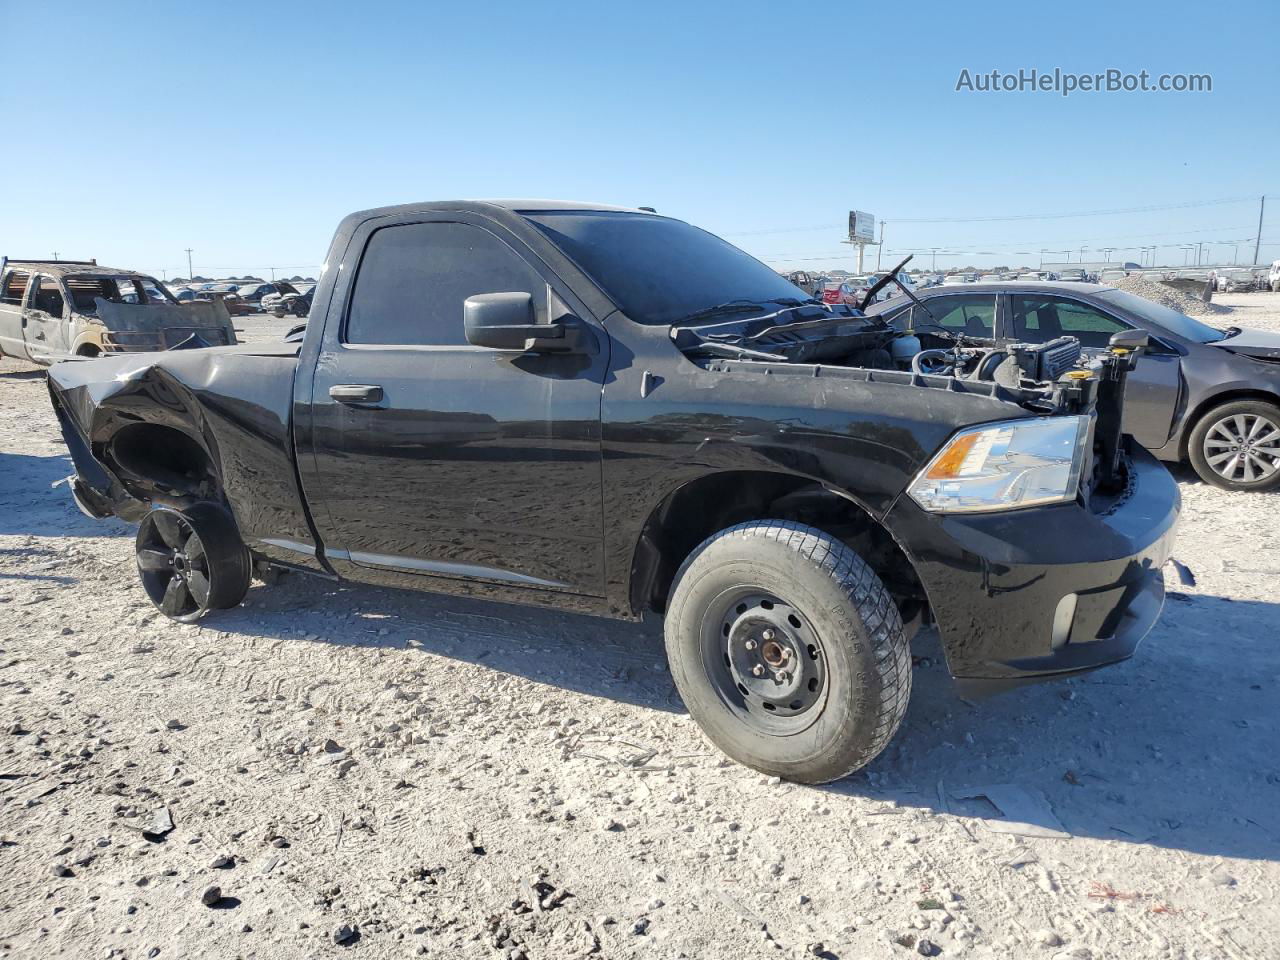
{"type": "Point", "coordinates": [701, 507]}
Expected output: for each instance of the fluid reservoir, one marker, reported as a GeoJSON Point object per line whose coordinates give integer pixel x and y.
{"type": "Point", "coordinates": [904, 348]}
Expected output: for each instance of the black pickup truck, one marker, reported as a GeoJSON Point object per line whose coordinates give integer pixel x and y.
{"type": "Point", "coordinates": [614, 412]}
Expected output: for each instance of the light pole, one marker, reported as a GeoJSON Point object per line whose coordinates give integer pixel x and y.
{"type": "Point", "coordinates": [190, 273]}
{"type": "Point", "coordinates": [934, 251]}
{"type": "Point", "coordinates": [1186, 249]}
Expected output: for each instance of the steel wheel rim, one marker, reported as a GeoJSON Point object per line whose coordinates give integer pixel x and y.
{"type": "Point", "coordinates": [173, 565]}
{"type": "Point", "coordinates": [765, 661]}
{"type": "Point", "coordinates": [1243, 448]}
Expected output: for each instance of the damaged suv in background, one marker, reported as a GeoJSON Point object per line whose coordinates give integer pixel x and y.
{"type": "Point", "coordinates": [614, 412]}
{"type": "Point", "coordinates": [53, 310]}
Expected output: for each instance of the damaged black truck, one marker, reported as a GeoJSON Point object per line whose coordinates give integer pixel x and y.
{"type": "Point", "coordinates": [614, 412]}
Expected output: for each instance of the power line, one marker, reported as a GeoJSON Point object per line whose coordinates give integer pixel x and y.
{"type": "Point", "coordinates": [1065, 216]}
{"type": "Point", "coordinates": [1150, 208]}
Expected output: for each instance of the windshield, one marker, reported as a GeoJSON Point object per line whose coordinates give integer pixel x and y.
{"type": "Point", "coordinates": [661, 271]}
{"type": "Point", "coordinates": [1176, 323]}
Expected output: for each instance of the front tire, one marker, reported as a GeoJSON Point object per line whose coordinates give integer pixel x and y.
{"type": "Point", "coordinates": [788, 651]}
{"type": "Point", "coordinates": [1237, 446]}
{"type": "Point", "coordinates": [191, 562]}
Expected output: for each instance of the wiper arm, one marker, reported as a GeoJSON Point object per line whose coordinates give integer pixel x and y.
{"type": "Point", "coordinates": [731, 306]}
{"type": "Point", "coordinates": [721, 349]}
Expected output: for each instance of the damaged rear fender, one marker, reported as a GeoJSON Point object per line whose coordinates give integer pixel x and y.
{"type": "Point", "coordinates": [140, 435]}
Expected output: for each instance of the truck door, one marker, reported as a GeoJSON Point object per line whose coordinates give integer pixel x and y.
{"type": "Point", "coordinates": [46, 326]}
{"type": "Point", "coordinates": [1151, 392]}
{"type": "Point", "coordinates": [13, 301]}
{"type": "Point", "coordinates": [431, 457]}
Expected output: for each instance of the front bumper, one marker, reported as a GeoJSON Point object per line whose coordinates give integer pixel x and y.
{"type": "Point", "coordinates": [1045, 591]}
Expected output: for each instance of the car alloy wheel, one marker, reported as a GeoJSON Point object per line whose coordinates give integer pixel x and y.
{"type": "Point", "coordinates": [191, 562]}
{"type": "Point", "coordinates": [1243, 447]}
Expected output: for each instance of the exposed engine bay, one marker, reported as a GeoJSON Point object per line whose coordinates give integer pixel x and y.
{"type": "Point", "coordinates": [1048, 378]}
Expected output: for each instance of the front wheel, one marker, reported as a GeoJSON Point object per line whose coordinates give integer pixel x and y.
{"type": "Point", "coordinates": [1237, 446]}
{"type": "Point", "coordinates": [191, 562]}
{"type": "Point", "coordinates": [788, 651]}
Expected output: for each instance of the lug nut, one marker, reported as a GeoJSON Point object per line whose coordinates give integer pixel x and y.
{"type": "Point", "coordinates": [768, 634]}
{"type": "Point", "coordinates": [750, 644]}
{"type": "Point", "coordinates": [757, 671]}
{"type": "Point", "coordinates": [782, 676]}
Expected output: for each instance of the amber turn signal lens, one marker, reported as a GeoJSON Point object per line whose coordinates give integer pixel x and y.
{"type": "Point", "coordinates": [948, 465]}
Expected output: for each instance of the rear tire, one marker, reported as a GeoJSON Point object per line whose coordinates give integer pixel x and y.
{"type": "Point", "coordinates": [1237, 446]}
{"type": "Point", "coordinates": [191, 562]}
{"type": "Point", "coordinates": [788, 651]}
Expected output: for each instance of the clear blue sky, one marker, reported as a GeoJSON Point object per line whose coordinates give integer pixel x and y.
{"type": "Point", "coordinates": [246, 130]}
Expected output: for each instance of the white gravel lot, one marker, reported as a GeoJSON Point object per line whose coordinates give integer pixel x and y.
{"type": "Point", "coordinates": [463, 779]}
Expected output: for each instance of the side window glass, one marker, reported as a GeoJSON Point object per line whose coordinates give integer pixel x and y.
{"type": "Point", "coordinates": [1043, 318]}
{"type": "Point", "coordinates": [971, 315]}
{"type": "Point", "coordinates": [49, 297]}
{"type": "Point", "coordinates": [128, 290]}
{"type": "Point", "coordinates": [413, 279]}
{"type": "Point", "coordinates": [15, 288]}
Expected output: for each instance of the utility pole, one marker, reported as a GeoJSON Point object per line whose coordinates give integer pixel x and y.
{"type": "Point", "coordinates": [273, 273]}
{"type": "Point", "coordinates": [934, 251]}
{"type": "Point", "coordinates": [1042, 253]}
{"type": "Point", "coordinates": [1199, 250]}
{"type": "Point", "coordinates": [55, 256]}
{"type": "Point", "coordinates": [880, 246]}
{"type": "Point", "coordinates": [1257, 241]}
{"type": "Point", "coordinates": [191, 274]}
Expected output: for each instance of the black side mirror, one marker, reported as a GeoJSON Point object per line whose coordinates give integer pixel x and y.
{"type": "Point", "coordinates": [505, 321]}
{"type": "Point", "coordinates": [1129, 340]}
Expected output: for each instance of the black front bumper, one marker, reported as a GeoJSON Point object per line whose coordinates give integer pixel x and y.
{"type": "Point", "coordinates": [1036, 593]}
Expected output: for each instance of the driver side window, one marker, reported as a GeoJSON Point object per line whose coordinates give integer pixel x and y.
{"type": "Point", "coordinates": [1040, 318]}
{"type": "Point", "coordinates": [49, 297]}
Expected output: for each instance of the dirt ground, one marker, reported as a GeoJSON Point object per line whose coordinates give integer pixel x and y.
{"type": "Point", "coordinates": [414, 775]}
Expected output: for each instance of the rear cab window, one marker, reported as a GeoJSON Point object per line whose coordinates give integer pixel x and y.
{"type": "Point", "coordinates": [14, 291]}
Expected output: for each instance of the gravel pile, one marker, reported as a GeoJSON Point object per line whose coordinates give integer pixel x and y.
{"type": "Point", "coordinates": [1169, 296]}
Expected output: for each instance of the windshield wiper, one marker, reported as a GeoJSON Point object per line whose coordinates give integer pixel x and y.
{"type": "Point", "coordinates": [746, 306]}
{"type": "Point", "coordinates": [719, 348]}
{"type": "Point", "coordinates": [730, 306]}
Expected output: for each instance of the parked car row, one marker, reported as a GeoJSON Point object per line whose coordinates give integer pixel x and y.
{"type": "Point", "coordinates": [278, 297]}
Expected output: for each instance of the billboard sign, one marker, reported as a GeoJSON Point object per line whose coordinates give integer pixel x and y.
{"type": "Point", "coordinates": [862, 227]}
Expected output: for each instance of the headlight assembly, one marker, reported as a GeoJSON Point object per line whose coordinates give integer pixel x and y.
{"type": "Point", "coordinates": [1002, 466]}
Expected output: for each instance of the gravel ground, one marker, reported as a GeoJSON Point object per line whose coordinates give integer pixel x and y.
{"type": "Point", "coordinates": [330, 770]}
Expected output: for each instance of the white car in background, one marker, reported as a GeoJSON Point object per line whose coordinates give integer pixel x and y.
{"type": "Point", "coordinates": [1273, 277]}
